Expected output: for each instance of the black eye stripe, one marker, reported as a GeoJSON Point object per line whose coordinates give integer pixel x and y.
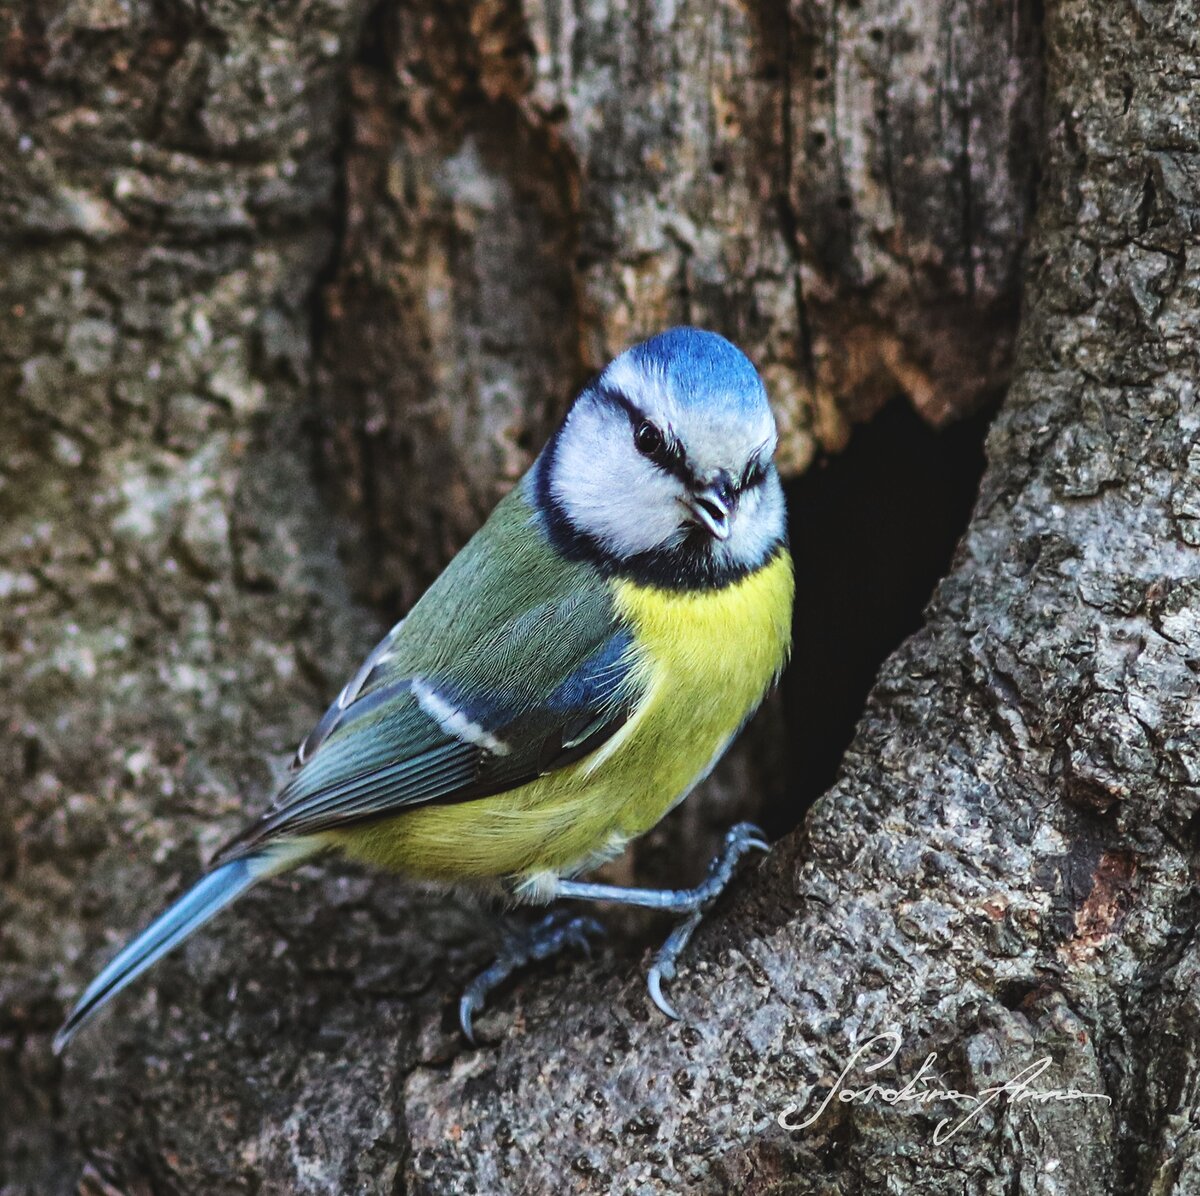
{"type": "Point", "coordinates": [671, 456]}
{"type": "Point", "coordinates": [754, 475]}
{"type": "Point", "coordinates": [611, 395]}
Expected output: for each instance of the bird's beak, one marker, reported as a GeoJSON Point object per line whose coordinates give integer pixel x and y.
{"type": "Point", "coordinates": [711, 509]}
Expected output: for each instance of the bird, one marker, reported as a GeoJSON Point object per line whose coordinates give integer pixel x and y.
{"type": "Point", "coordinates": [575, 671]}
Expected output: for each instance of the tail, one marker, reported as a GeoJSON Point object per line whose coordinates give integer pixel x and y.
{"type": "Point", "coordinates": [202, 901]}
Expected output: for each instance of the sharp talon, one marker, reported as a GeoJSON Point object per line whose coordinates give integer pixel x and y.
{"type": "Point", "coordinates": [551, 935]}
{"type": "Point", "coordinates": [746, 834]}
{"type": "Point", "coordinates": [738, 840]}
{"type": "Point", "coordinates": [466, 1011]}
{"type": "Point", "coordinates": [654, 982]}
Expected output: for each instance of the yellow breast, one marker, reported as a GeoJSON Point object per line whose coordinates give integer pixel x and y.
{"type": "Point", "coordinates": [708, 657]}
{"type": "Point", "coordinates": [721, 648]}
{"type": "Point", "coordinates": [704, 661]}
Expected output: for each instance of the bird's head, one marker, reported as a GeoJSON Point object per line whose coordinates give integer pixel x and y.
{"type": "Point", "coordinates": [663, 465]}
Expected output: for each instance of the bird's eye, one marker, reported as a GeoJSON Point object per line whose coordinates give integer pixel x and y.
{"type": "Point", "coordinates": [753, 475]}
{"type": "Point", "coordinates": [648, 440]}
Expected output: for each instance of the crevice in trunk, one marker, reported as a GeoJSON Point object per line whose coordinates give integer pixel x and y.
{"type": "Point", "coordinates": [873, 530]}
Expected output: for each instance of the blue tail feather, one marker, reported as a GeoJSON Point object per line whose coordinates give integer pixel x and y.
{"type": "Point", "coordinates": [201, 902]}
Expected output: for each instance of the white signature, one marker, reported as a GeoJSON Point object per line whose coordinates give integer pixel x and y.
{"type": "Point", "coordinates": [921, 1089]}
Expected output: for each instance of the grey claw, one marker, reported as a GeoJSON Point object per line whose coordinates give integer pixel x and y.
{"type": "Point", "coordinates": [552, 934]}
{"type": "Point", "coordinates": [578, 933]}
{"type": "Point", "coordinates": [663, 967]}
{"type": "Point", "coordinates": [746, 834]}
{"type": "Point", "coordinates": [654, 983]}
{"type": "Point", "coordinates": [738, 840]}
{"type": "Point", "coordinates": [467, 1008]}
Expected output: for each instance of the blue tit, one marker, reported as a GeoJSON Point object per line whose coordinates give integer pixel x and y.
{"type": "Point", "coordinates": [574, 672]}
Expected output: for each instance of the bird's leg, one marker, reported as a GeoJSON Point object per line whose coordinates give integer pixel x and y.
{"type": "Point", "coordinates": [693, 902]}
{"type": "Point", "coordinates": [554, 933]}
{"type": "Point", "coordinates": [561, 929]}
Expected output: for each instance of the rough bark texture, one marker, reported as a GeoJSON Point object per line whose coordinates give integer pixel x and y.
{"type": "Point", "coordinates": [1004, 870]}
{"type": "Point", "coordinates": [843, 189]}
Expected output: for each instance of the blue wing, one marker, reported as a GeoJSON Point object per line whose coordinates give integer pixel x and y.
{"type": "Point", "coordinates": [513, 663]}
{"type": "Point", "coordinates": [390, 742]}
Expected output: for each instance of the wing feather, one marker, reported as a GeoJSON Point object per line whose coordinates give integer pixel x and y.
{"type": "Point", "coordinates": [513, 664]}
{"type": "Point", "coordinates": [385, 751]}
{"type": "Point", "coordinates": [332, 718]}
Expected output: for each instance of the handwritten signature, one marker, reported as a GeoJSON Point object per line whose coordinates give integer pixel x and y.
{"type": "Point", "coordinates": [922, 1089]}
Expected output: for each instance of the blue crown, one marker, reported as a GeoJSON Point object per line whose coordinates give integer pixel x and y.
{"type": "Point", "coordinates": [702, 368]}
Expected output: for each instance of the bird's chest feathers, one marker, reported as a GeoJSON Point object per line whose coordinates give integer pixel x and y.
{"type": "Point", "coordinates": [707, 657]}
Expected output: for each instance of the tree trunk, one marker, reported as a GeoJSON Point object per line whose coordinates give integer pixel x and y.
{"type": "Point", "coordinates": [208, 385]}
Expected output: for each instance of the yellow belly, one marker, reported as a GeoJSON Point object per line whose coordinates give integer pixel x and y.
{"type": "Point", "coordinates": [706, 658]}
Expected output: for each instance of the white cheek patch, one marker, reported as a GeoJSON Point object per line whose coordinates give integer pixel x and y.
{"type": "Point", "coordinates": [607, 489]}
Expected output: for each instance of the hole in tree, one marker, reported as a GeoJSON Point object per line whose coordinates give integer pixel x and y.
{"type": "Point", "coordinates": [1014, 994]}
{"type": "Point", "coordinates": [872, 531]}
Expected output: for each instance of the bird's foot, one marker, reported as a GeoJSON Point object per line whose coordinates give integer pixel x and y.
{"type": "Point", "coordinates": [739, 839]}
{"type": "Point", "coordinates": [554, 933]}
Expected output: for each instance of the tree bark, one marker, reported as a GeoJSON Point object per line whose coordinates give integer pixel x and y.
{"type": "Point", "coordinates": [207, 388]}
{"type": "Point", "coordinates": [1005, 870]}
{"type": "Point", "coordinates": [842, 189]}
